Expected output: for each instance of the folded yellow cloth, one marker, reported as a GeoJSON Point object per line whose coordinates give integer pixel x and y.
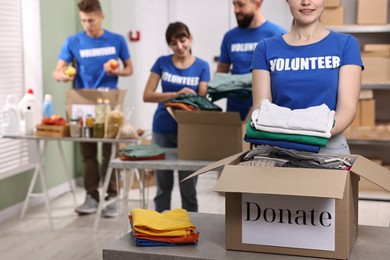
{"type": "Point", "coordinates": [174, 222]}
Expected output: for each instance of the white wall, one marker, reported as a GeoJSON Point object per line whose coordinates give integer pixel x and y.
{"type": "Point", "coordinates": [208, 20]}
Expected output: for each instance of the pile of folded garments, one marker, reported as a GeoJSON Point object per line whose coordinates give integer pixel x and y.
{"type": "Point", "coordinates": [274, 156]}
{"type": "Point", "coordinates": [224, 85]}
{"type": "Point", "coordinates": [141, 153]}
{"type": "Point", "coordinates": [300, 129]}
{"type": "Point", "coordinates": [170, 228]}
{"type": "Point", "coordinates": [192, 102]}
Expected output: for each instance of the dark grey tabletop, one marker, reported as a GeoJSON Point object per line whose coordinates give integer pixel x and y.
{"type": "Point", "coordinates": [372, 243]}
{"type": "Point", "coordinates": [171, 162]}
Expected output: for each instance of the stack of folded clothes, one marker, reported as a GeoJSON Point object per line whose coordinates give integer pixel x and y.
{"type": "Point", "coordinates": [141, 152]}
{"type": "Point", "coordinates": [170, 228]}
{"type": "Point", "coordinates": [192, 102]}
{"type": "Point", "coordinates": [300, 129]}
{"type": "Point", "coordinates": [225, 85]}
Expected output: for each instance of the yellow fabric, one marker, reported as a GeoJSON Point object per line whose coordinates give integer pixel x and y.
{"type": "Point", "coordinates": [174, 222]}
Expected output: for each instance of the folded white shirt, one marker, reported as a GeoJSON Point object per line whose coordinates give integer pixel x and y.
{"type": "Point", "coordinates": [314, 118]}
{"type": "Point", "coordinates": [278, 130]}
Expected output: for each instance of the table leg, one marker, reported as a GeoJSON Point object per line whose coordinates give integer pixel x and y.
{"type": "Point", "coordinates": [67, 172]}
{"type": "Point", "coordinates": [39, 173]}
{"type": "Point", "coordinates": [127, 180]}
{"type": "Point", "coordinates": [29, 192]}
{"type": "Point", "coordinates": [102, 202]}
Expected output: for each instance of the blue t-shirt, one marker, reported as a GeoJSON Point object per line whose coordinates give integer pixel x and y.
{"type": "Point", "coordinates": [90, 54]}
{"type": "Point", "coordinates": [238, 46]}
{"type": "Point", "coordinates": [308, 75]}
{"type": "Point", "coordinates": [174, 79]}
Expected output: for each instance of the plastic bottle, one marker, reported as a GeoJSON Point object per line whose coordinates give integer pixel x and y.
{"type": "Point", "coordinates": [48, 107]}
{"type": "Point", "coordinates": [11, 120]}
{"type": "Point", "coordinates": [98, 128]}
{"type": "Point", "coordinates": [107, 110]}
{"type": "Point", "coordinates": [30, 112]}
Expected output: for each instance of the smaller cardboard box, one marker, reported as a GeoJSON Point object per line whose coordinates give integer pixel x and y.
{"type": "Point", "coordinates": [332, 3]}
{"type": "Point", "coordinates": [380, 49]}
{"type": "Point", "coordinates": [367, 112]}
{"type": "Point", "coordinates": [376, 68]}
{"type": "Point", "coordinates": [333, 16]}
{"type": "Point", "coordinates": [370, 12]}
{"type": "Point", "coordinates": [293, 211]}
{"type": "Point", "coordinates": [83, 101]}
{"type": "Point", "coordinates": [208, 135]}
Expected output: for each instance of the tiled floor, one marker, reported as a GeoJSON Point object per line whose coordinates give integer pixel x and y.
{"type": "Point", "coordinates": [73, 237]}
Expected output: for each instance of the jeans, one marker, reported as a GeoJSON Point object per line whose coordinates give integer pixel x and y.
{"type": "Point", "coordinates": [336, 145]}
{"type": "Point", "coordinates": [165, 181]}
{"type": "Point", "coordinates": [91, 169]}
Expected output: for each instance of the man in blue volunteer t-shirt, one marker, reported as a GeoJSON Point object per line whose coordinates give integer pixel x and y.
{"type": "Point", "coordinates": [239, 43]}
{"type": "Point", "coordinates": [91, 51]}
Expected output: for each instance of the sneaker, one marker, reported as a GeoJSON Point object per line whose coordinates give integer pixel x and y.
{"type": "Point", "coordinates": [90, 206]}
{"type": "Point", "coordinates": [111, 211]}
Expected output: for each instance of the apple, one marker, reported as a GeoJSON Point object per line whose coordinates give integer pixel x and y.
{"type": "Point", "coordinates": [70, 71]}
{"type": "Point", "coordinates": [113, 64]}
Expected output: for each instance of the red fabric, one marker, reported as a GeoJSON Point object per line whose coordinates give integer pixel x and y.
{"type": "Point", "coordinates": [180, 106]}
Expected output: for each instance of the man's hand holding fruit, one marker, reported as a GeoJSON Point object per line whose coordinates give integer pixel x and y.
{"type": "Point", "coordinates": [112, 67]}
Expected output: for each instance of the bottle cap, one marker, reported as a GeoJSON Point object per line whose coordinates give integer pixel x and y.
{"type": "Point", "coordinates": [30, 91]}
{"type": "Point", "coordinates": [100, 100]}
{"type": "Point", "coordinates": [48, 98]}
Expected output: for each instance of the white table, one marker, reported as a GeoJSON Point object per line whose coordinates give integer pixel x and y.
{"type": "Point", "coordinates": [171, 162]}
{"type": "Point", "coordinates": [40, 147]}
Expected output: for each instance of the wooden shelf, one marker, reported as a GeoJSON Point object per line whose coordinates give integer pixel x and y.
{"type": "Point", "coordinates": [378, 86]}
{"type": "Point", "coordinates": [366, 135]}
{"type": "Point", "coordinates": [361, 28]}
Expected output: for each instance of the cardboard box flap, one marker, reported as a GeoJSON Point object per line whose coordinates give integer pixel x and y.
{"type": "Point", "coordinates": [234, 159]}
{"type": "Point", "coordinates": [283, 181]}
{"type": "Point", "coordinates": [90, 96]}
{"type": "Point", "coordinates": [372, 171]}
{"type": "Point", "coordinates": [207, 117]}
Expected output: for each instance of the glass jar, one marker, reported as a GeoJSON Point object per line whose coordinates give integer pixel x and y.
{"type": "Point", "coordinates": [75, 127]}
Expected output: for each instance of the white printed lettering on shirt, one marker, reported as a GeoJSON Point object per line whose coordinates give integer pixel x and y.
{"type": "Point", "coordinates": [189, 81]}
{"type": "Point", "coordinates": [312, 63]}
{"type": "Point", "coordinates": [243, 47]}
{"type": "Point", "coordinates": [97, 52]}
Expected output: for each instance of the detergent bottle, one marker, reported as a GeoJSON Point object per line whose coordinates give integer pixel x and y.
{"type": "Point", "coordinates": [30, 112]}
{"type": "Point", "coordinates": [11, 119]}
{"type": "Point", "coordinates": [48, 107]}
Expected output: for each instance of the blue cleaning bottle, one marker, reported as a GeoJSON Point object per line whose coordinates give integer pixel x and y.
{"type": "Point", "coordinates": [48, 107]}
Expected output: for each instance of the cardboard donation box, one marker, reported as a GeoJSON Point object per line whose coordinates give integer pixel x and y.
{"type": "Point", "coordinates": [293, 211]}
{"type": "Point", "coordinates": [208, 135]}
{"type": "Point", "coordinates": [377, 68]}
{"type": "Point", "coordinates": [372, 12]}
{"type": "Point", "coordinates": [80, 102]}
{"type": "Point", "coordinates": [333, 16]}
{"type": "Point", "coordinates": [332, 3]}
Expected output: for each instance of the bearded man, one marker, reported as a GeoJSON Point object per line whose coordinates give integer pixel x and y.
{"type": "Point", "coordinates": [238, 46]}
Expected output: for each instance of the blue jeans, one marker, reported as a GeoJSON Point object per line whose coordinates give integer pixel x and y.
{"type": "Point", "coordinates": [165, 181]}
{"type": "Point", "coordinates": [336, 145]}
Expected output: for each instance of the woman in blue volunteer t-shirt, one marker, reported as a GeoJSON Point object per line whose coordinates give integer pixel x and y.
{"type": "Point", "coordinates": [180, 73]}
{"type": "Point", "coordinates": [309, 66]}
